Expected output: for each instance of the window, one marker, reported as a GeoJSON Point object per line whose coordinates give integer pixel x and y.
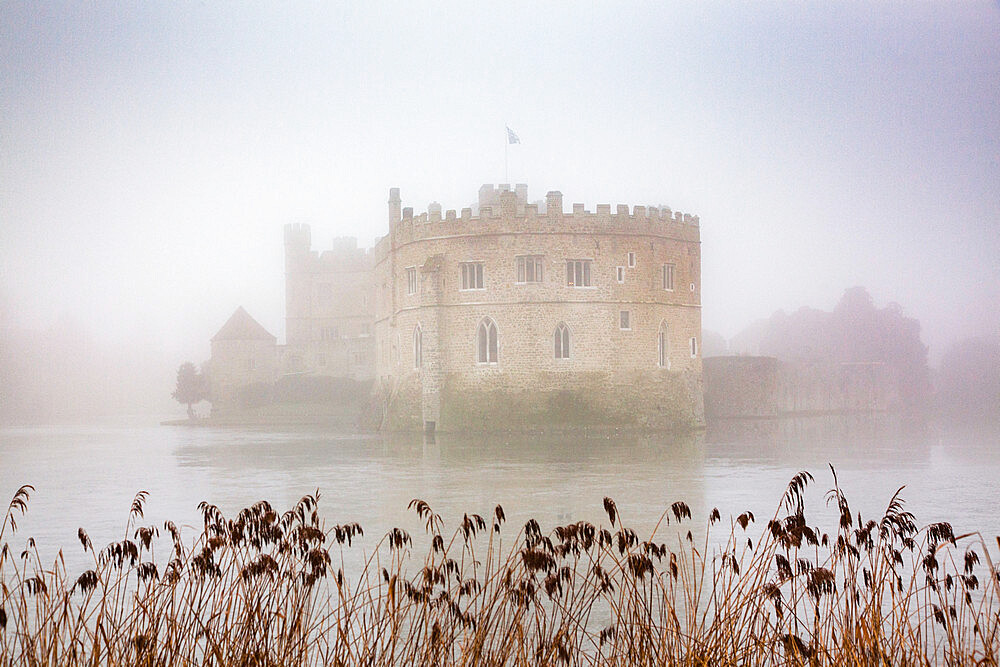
{"type": "Point", "coordinates": [472, 275]}
{"type": "Point", "coordinates": [486, 342]}
{"type": "Point", "coordinates": [623, 320]}
{"type": "Point", "coordinates": [418, 347]}
{"type": "Point", "coordinates": [631, 260]}
{"type": "Point", "coordinates": [411, 280]}
{"type": "Point", "coordinates": [694, 347]}
{"type": "Point", "coordinates": [529, 269]}
{"type": "Point", "coordinates": [663, 346]}
{"type": "Point", "coordinates": [578, 273]}
{"type": "Point", "coordinates": [668, 277]}
{"type": "Point", "coordinates": [562, 341]}
{"type": "Point", "coordinates": [251, 364]}
{"type": "Point", "coordinates": [620, 273]}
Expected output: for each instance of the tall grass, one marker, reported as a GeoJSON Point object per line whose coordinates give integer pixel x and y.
{"type": "Point", "coordinates": [265, 588]}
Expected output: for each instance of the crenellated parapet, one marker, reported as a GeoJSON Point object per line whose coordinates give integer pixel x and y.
{"type": "Point", "coordinates": [501, 210]}
{"type": "Point", "coordinates": [343, 255]}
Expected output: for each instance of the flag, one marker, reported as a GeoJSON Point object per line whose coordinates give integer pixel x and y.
{"type": "Point", "coordinates": [512, 138]}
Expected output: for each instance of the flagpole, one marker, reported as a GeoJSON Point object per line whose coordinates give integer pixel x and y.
{"type": "Point", "coordinates": [506, 143]}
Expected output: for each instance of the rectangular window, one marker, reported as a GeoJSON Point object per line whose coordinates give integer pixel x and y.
{"type": "Point", "coordinates": [623, 320]}
{"type": "Point", "coordinates": [620, 273]}
{"type": "Point", "coordinates": [472, 275]}
{"type": "Point", "coordinates": [631, 260]}
{"type": "Point", "coordinates": [529, 269]}
{"type": "Point", "coordinates": [251, 364]}
{"type": "Point", "coordinates": [578, 273]}
{"type": "Point", "coordinates": [411, 280]}
{"type": "Point", "coordinates": [694, 347]}
{"type": "Point", "coordinates": [668, 277]}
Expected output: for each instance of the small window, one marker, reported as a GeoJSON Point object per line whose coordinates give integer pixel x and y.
{"type": "Point", "coordinates": [631, 260]}
{"type": "Point", "coordinates": [694, 347]}
{"type": "Point", "coordinates": [472, 275]}
{"type": "Point", "coordinates": [411, 280]}
{"type": "Point", "coordinates": [623, 320]}
{"type": "Point", "coordinates": [487, 342]}
{"type": "Point", "coordinates": [562, 341]}
{"type": "Point", "coordinates": [692, 287]}
{"type": "Point", "coordinates": [663, 346]}
{"type": "Point", "coordinates": [620, 274]}
{"type": "Point", "coordinates": [668, 277]}
{"type": "Point", "coordinates": [251, 364]}
{"type": "Point", "coordinates": [529, 269]}
{"type": "Point", "coordinates": [418, 347]}
{"type": "Point", "coordinates": [578, 273]}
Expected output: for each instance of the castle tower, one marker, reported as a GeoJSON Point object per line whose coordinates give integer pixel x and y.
{"type": "Point", "coordinates": [395, 204]}
{"type": "Point", "coordinates": [298, 244]}
{"type": "Point", "coordinates": [508, 318]}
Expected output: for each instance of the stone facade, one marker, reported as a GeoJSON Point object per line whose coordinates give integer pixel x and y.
{"type": "Point", "coordinates": [751, 386]}
{"type": "Point", "coordinates": [516, 316]}
{"type": "Point", "coordinates": [328, 308]}
{"type": "Point", "coordinates": [465, 333]}
{"type": "Point", "coordinates": [244, 359]}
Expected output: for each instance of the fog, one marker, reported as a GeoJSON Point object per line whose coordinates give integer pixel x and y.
{"type": "Point", "coordinates": [150, 153]}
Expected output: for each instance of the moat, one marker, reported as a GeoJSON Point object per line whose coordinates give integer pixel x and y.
{"type": "Point", "coordinates": [86, 476]}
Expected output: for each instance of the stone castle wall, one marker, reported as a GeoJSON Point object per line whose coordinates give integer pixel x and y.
{"type": "Point", "coordinates": [329, 300]}
{"type": "Point", "coordinates": [358, 314]}
{"type": "Point", "coordinates": [613, 374]}
{"type": "Point", "coordinates": [237, 365]}
{"type": "Point", "coordinates": [751, 386]}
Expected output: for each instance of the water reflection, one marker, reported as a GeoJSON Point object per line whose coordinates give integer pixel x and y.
{"type": "Point", "coordinates": [553, 478]}
{"type": "Point", "coordinates": [86, 476]}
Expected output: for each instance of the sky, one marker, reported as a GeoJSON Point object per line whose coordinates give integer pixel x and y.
{"type": "Point", "coordinates": [151, 152]}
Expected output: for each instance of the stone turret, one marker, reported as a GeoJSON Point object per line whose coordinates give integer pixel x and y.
{"type": "Point", "coordinates": [395, 204]}
{"type": "Point", "coordinates": [553, 204]}
{"type": "Point", "coordinates": [298, 242]}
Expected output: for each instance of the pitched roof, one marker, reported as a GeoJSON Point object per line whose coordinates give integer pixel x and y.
{"type": "Point", "coordinates": [241, 326]}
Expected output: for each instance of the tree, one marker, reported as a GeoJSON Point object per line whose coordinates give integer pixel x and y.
{"type": "Point", "coordinates": [190, 386]}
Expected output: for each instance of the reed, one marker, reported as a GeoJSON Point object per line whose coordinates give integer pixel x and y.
{"type": "Point", "coordinates": [269, 588]}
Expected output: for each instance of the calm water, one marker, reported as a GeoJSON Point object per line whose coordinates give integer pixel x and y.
{"type": "Point", "coordinates": [86, 476]}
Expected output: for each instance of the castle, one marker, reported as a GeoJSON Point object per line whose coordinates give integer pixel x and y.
{"type": "Point", "coordinates": [513, 315]}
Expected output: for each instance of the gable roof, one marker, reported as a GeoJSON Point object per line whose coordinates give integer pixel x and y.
{"type": "Point", "coordinates": [240, 326]}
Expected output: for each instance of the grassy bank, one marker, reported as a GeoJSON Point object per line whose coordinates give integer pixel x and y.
{"type": "Point", "coordinates": [270, 588]}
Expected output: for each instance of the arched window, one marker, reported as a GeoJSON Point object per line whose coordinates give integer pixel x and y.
{"type": "Point", "coordinates": [562, 341]}
{"type": "Point", "coordinates": [663, 346]}
{"type": "Point", "coordinates": [486, 342]}
{"type": "Point", "coordinates": [418, 347]}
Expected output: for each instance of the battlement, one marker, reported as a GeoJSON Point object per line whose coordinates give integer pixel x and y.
{"type": "Point", "coordinates": [501, 208]}
{"type": "Point", "coordinates": [343, 254]}
{"type": "Point", "coordinates": [298, 234]}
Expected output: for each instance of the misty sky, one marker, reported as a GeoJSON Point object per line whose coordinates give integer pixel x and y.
{"type": "Point", "coordinates": [151, 152]}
